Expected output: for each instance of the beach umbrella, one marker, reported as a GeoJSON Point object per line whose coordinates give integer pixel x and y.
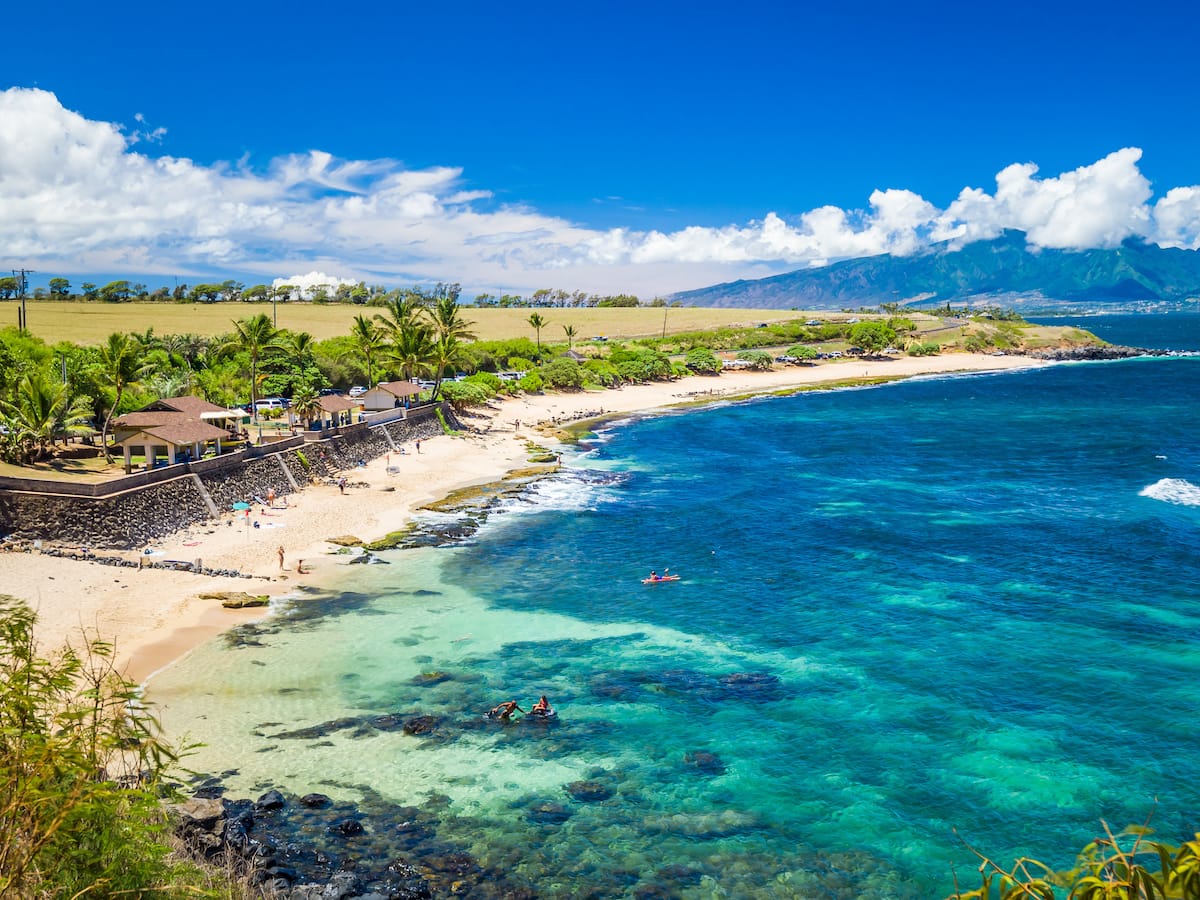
{"type": "Point", "coordinates": [240, 505]}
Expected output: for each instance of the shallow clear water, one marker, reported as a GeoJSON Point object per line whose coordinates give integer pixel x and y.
{"type": "Point", "coordinates": [960, 603]}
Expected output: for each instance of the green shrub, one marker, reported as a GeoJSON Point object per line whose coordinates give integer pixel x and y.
{"type": "Point", "coordinates": [80, 771]}
{"type": "Point", "coordinates": [1123, 866]}
{"type": "Point", "coordinates": [800, 351]}
{"type": "Point", "coordinates": [562, 373]}
{"type": "Point", "coordinates": [760, 360]}
{"type": "Point", "coordinates": [925, 348]}
{"type": "Point", "coordinates": [530, 383]}
{"type": "Point", "coordinates": [463, 394]}
{"type": "Point", "coordinates": [489, 380]}
{"type": "Point", "coordinates": [703, 361]}
{"type": "Point", "coordinates": [640, 364]}
{"type": "Point", "coordinates": [601, 372]}
{"type": "Point", "coordinates": [976, 344]}
{"type": "Point", "coordinates": [521, 364]}
{"type": "Point", "coordinates": [441, 417]}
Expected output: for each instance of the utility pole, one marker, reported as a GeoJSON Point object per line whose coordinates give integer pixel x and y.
{"type": "Point", "coordinates": [22, 286]}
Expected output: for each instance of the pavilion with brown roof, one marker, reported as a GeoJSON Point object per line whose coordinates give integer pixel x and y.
{"type": "Point", "coordinates": [175, 427]}
{"type": "Point", "coordinates": [335, 411]}
{"type": "Point", "coordinates": [176, 441]}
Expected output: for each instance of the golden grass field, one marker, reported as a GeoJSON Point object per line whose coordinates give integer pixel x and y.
{"type": "Point", "coordinates": [91, 323]}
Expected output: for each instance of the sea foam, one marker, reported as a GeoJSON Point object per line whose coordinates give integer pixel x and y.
{"type": "Point", "coordinates": [1173, 490]}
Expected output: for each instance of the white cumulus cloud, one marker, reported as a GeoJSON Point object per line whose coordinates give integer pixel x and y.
{"type": "Point", "coordinates": [1094, 206]}
{"type": "Point", "coordinates": [305, 283]}
{"type": "Point", "coordinates": [81, 196]}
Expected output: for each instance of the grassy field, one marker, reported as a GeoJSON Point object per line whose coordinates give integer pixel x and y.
{"type": "Point", "coordinates": [91, 323]}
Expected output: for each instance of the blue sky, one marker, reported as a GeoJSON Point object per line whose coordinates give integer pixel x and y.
{"type": "Point", "coordinates": [614, 146]}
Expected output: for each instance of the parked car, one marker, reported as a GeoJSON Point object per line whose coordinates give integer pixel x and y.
{"type": "Point", "coordinates": [357, 390]}
{"type": "Point", "coordinates": [270, 403]}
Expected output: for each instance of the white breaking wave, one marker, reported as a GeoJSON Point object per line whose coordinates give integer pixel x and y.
{"type": "Point", "coordinates": [568, 491]}
{"type": "Point", "coordinates": [1173, 490]}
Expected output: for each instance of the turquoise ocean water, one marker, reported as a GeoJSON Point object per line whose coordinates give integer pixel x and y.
{"type": "Point", "coordinates": [954, 604]}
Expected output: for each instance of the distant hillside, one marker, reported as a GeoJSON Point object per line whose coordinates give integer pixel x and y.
{"type": "Point", "coordinates": [1003, 271]}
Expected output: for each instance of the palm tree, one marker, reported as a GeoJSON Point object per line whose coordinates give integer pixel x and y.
{"type": "Point", "coordinates": [256, 336]}
{"type": "Point", "coordinates": [306, 403]}
{"type": "Point", "coordinates": [41, 410]}
{"type": "Point", "coordinates": [120, 361]}
{"type": "Point", "coordinates": [300, 345]}
{"type": "Point", "coordinates": [412, 351]}
{"type": "Point", "coordinates": [538, 323]}
{"type": "Point", "coordinates": [446, 318]}
{"type": "Point", "coordinates": [399, 313]}
{"type": "Point", "coordinates": [368, 340]}
{"type": "Point", "coordinates": [569, 331]}
{"type": "Point", "coordinates": [447, 351]}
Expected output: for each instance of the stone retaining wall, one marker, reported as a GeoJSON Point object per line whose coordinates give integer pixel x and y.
{"type": "Point", "coordinates": [136, 517]}
{"type": "Point", "coordinates": [121, 521]}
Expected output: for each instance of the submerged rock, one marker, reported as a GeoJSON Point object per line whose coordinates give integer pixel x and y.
{"type": "Point", "coordinates": [271, 800]}
{"type": "Point", "coordinates": [316, 731]}
{"type": "Point", "coordinates": [706, 825]}
{"type": "Point", "coordinates": [705, 762]}
{"type": "Point", "coordinates": [345, 827]}
{"type": "Point", "coordinates": [588, 791]}
{"type": "Point", "coordinates": [421, 725]}
{"type": "Point", "coordinates": [425, 679]}
{"type": "Point", "coordinates": [547, 812]}
{"type": "Point", "coordinates": [315, 801]}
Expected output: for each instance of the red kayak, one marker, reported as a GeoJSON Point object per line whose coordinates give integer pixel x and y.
{"type": "Point", "coordinates": [660, 578]}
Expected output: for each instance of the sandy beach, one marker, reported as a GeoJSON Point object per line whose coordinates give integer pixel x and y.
{"type": "Point", "coordinates": [154, 616]}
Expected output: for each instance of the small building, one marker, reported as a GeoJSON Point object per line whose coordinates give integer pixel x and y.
{"type": "Point", "coordinates": [389, 395]}
{"type": "Point", "coordinates": [175, 428]}
{"type": "Point", "coordinates": [335, 411]}
{"type": "Point", "coordinates": [175, 443]}
{"type": "Point", "coordinates": [177, 411]}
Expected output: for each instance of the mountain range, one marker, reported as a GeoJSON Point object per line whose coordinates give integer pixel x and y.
{"type": "Point", "coordinates": [1004, 271]}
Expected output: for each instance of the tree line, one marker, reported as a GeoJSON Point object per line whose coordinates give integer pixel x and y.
{"type": "Point", "coordinates": [230, 290]}
{"type": "Point", "coordinates": [48, 392]}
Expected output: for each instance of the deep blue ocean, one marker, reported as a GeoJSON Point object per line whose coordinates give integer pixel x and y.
{"type": "Point", "coordinates": [910, 617]}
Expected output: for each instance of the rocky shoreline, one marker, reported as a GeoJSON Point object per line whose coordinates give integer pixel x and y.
{"type": "Point", "coordinates": [1100, 352]}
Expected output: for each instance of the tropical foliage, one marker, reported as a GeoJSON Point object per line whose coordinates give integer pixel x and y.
{"type": "Point", "coordinates": [81, 772]}
{"type": "Point", "coordinates": [1124, 866]}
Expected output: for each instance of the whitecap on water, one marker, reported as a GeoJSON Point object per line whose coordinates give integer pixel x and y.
{"type": "Point", "coordinates": [1173, 490]}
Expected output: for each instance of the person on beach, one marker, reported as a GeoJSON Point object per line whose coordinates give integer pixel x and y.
{"type": "Point", "coordinates": [418, 446]}
{"type": "Point", "coordinates": [281, 557]}
{"type": "Point", "coordinates": [299, 567]}
{"type": "Point", "coordinates": [270, 498]}
{"type": "Point", "coordinates": [342, 485]}
{"type": "Point", "coordinates": [504, 711]}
